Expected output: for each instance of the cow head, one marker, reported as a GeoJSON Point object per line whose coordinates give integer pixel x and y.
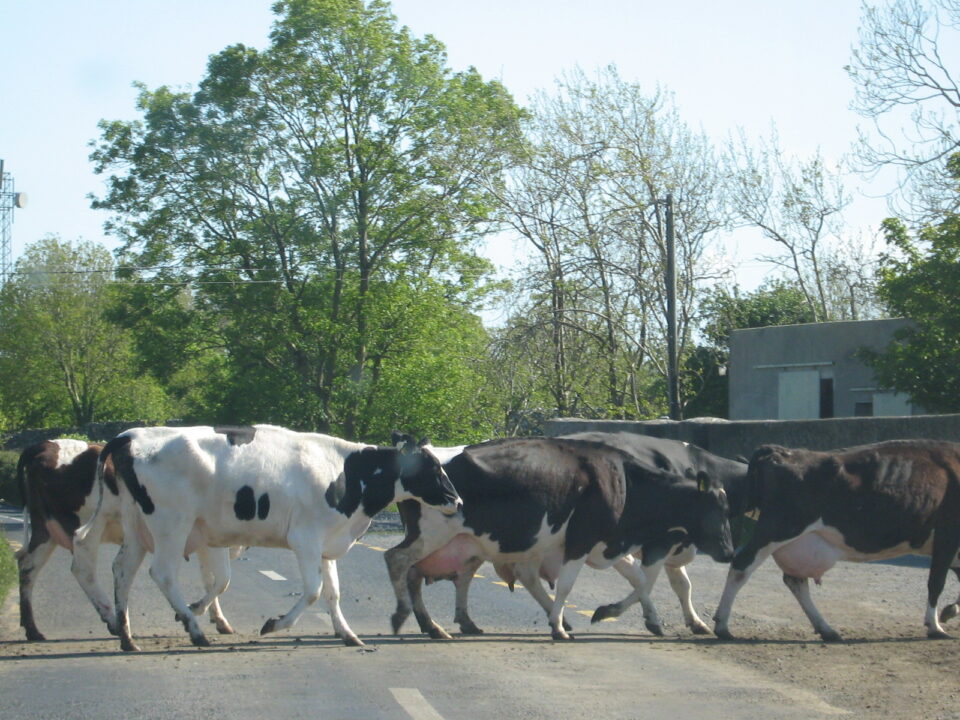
{"type": "Point", "coordinates": [378, 476]}
{"type": "Point", "coordinates": [711, 533]}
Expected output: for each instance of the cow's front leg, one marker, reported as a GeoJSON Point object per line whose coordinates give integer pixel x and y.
{"type": "Point", "coordinates": [945, 544]}
{"type": "Point", "coordinates": [529, 576]}
{"type": "Point", "coordinates": [680, 582]}
{"type": "Point", "coordinates": [642, 578]}
{"type": "Point", "coordinates": [800, 587]}
{"type": "Point", "coordinates": [420, 612]}
{"type": "Point", "coordinates": [331, 594]}
{"type": "Point", "coordinates": [399, 560]}
{"type": "Point", "coordinates": [568, 576]}
{"type": "Point", "coordinates": [309, 558]}
{"type": "Point", "coordinates": [462, 584]}
{"type": "Point", "coordinates": [747, 560]}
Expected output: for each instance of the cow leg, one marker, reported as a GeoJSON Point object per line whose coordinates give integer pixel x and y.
{"type": "Point", "coordinates": [330, 590]}
{"type": "Point", "coordinates": [420, 612]}
{"type": "Point", "coordinates": [462, 585]}
{"type": "Point", "coordinates": [565, 581]}
{"type": "Point", "coordinates": [951, 611]}
{"type": "Point", "coordinates": [529, 576]}
{"type": "Point", "coordinates": [84, 569]}
{"type": "Point", "coordinates": [642, 579]}
{"type": "Point", "coordinates": [30, 559]}
{"type": "Point", "coordinates": [736, 579]}
{"type": "Point", "coordinates": [680, 582]}
{"type": "Point", "coordinates": [800, 587]}
{"type": "Point", "coordinates": [945, 544]}
{"type": "Point", "coordinates": [215, 575]}
{"type": "Point", "coordinates": [399, 560]}
{"type": "Point", "coordinates": [166, 563]}
{"type": "Point", "coordinates": [309, 557]}
{"type": "Point", "coordinates": [125, 566]}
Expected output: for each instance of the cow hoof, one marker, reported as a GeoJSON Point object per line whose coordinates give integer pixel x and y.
{"type": "Point", "coordinates": [603, 612]}
{"type": "Point", "coordinates": [562, 635]}
{"type": "Point", "coordinates": [200, 641]}
{"type": "Point", "coordinates": [935, 634]}
{"type": "Point", "coordinates": [470, 629]}
{"type": "Point", "coordinates": [831, 636]}
{"type": "Point", "coordinates": [129, 646]}
{"type": "Point", "coordinates": [723, 634]}
{"type": "Point", "coordinates": [224, 628]}
{"type": "Point", "coordinates": [699, 629]}
{"type": "Point", "coordinates": [438, 633]}
{"type": "Point", "coordinates": [567, 626]}
{"type": "Point", "coordinates": [397, 620]}
{"type": "Point", "coordinates": [269, 626]}
{"type": "Point", "coordinates": [949, 612]}
{"type": "Point", "coordinates": [34, 635]}
{"type": "Point", "coordinates": [352, 641]}
{"type": "Point", "coordinates": [655, 628]}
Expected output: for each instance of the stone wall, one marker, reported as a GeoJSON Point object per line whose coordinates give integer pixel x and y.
{"type": "Point", "coordinates": [95, 432]}
{"type": "Point", "coordinates": [740, 437]}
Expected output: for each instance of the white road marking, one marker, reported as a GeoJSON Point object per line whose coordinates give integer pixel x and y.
{"type": "Point", "coordinates": [11, 519]}
{"type": "Point", "coordinates": [272, 575]}
{"type": "Point", "coordinates": [415, 704]}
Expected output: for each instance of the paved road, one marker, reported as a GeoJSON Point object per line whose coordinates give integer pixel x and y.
{"type": "Point", "coordinates": [612, 670]}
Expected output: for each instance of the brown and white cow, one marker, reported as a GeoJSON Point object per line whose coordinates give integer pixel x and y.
{"type": "Point", "coordinates": [56, 479]}
{"type": "Point", "coordinates": [865, 503]}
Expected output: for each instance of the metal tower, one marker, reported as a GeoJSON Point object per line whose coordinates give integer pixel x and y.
{"type": "Point", "coordinates": [9, 199]}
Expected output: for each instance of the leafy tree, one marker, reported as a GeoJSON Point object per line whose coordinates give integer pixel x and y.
{"type": "Point", "coordinates": [907, 88]}
{"type": "Point", "coordinates": [293, 201]}
{"type": "Point", "coordinates": [919, 280]}
{"type": "Point", "coordinates": [60, 363]}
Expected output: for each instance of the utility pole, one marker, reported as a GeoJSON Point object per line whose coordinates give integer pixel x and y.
{"type": "Point", "coordinates": [9, 201]}
{"type": "Point", "coordinates": [673, 380]}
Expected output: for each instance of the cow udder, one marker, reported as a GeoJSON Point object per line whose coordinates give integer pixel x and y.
{"type": "Point", "coordinates": [449, 560]}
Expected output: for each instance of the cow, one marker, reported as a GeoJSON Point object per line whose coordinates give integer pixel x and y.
{"type": "Point", "coordinates": [263, 486]}
{"type": "Point", "coordinates": [553, 505]}
{"type": "Point", "coordinates": [870, 502]}
{"type": "Point", "coordinates": [56, 480]}
{"type": "Point", "coordinates": [671, 456]}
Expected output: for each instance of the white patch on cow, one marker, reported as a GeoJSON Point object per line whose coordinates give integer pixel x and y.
{"type": "Point", "coordinates": [69, 449]}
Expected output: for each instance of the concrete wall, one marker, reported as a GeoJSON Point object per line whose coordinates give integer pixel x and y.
{"type": "Point", "coordinates": [759, 356]}
{"type": "Point", "coordinates": [740, 438]}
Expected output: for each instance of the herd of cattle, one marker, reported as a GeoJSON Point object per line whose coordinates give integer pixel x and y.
{"type": "Point", "coordinates": [536, 508]}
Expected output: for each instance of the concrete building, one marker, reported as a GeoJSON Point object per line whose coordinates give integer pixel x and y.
{"type": "Point", "coordinates": [802, 372]}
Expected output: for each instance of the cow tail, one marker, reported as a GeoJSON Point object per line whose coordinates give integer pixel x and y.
{"type": "Point", "coordinates": [22, 486]}
{"type": "Point", "coordinates": [105, 453]}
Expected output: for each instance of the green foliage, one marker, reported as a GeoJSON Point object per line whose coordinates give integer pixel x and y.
{"type": "Point", "coordinates": [302, 212]}
{"type": "Point", "coordinates": [919, 280]}
{"type": "Point", "coordinates": [9, 489]}
{"type": "Point", "coordinates": [8, 568]}
{"type": "Point", "coordinates": [60, 364]}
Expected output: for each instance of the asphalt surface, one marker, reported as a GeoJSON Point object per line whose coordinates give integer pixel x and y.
{"type": "Point", "coordinates": [612, 670]}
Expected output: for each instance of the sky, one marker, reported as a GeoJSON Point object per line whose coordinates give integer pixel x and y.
{"type": "Point", "coordinates": [737, 64]}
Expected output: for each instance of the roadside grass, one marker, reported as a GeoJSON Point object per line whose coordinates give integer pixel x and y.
{"type": "Point", "coordinates": [8, 568]}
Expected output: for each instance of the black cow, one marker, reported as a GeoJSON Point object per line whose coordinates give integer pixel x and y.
{"type": "Point", "coordinates": [864, 503]}
{"type": "Point", "coordinates": [554, 504]}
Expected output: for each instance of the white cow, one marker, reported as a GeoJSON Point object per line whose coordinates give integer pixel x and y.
{"type": "Point", "coordinates": [185, 488]}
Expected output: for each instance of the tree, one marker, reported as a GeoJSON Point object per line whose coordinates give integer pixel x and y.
{"type": "Point", "coordinates": [60, 363]}
{"type": "Point", "coordinates": [907, 89]}
{"type": "Point", "coordinates": [299, 194]}
{"type": "Point", "coordinates": [919, 281]}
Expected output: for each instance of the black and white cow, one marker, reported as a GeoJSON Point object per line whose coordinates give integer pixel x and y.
{"type": "Point", "coordinates": [56, 479]}
{"type": "Point", "coordinates": [265, 486]}
{"type": "Point", "coordinates": [670, 456]}
{"type": "Point", "coordinates": [864, 503]}
{"type": "Point", "coordinates": [553, 505]}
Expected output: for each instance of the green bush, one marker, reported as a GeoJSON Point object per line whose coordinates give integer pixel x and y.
{"type": "Point", "coordinates": [8, 568]}
{"type": "Point", "coordinates": [9, 491]}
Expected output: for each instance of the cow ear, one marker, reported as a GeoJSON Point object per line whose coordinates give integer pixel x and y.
{"type": "Point", "coordinates": [703, 481]}
{"type": "Point", "coordinates": [396, 438]}
{"type": "Point", "coordinates": [424, 441]}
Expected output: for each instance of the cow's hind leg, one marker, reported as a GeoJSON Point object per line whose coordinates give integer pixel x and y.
{"type": "Point", "coordinates": [331, 594]}
{"type": "Point", "coordinates": [420, 612]}
{"type": "Point", "coordinates": [680, 582]}
{"type": "Point", "coordinates": [951, 611]}
{"type": "Point", "coordinates": [84, 569]}
{"type": "Point", "coordinates": [945, 544]}
{"type": "Point", "coordinates": [746, 561]}
{"type": "Point", "coordinates": [462, 584]}
{"type": "Point", "coordinates": [125, 566]}
{"type": "Point", "coordinates": [800, 587]}
{"type": "Point", "coordinates": [642, 579]}
{"type": "Point", "coordinates": [30, 559]}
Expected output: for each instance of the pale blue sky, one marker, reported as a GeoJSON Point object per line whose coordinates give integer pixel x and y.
{"type": "Point", "coordinates": [739, 63]}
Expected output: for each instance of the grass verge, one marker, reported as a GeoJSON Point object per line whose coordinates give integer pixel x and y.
{"type": "Point", "coordinates": [8, 568]}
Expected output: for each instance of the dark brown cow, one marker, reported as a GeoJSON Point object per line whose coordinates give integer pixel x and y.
{"type": "Point", "coordinates": [866, 503]}
{"type": "Point", "coordinates": [56, 479]}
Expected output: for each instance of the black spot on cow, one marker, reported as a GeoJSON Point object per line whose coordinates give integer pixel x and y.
{"type": "Point", "coordinates": [263, 506]}
{"type": "Point", "coordinates": [245, 508]}
{"type": "Point", "coordinates": [237, 435]}
{"type": "Point", "coordinates": [119, 449]}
